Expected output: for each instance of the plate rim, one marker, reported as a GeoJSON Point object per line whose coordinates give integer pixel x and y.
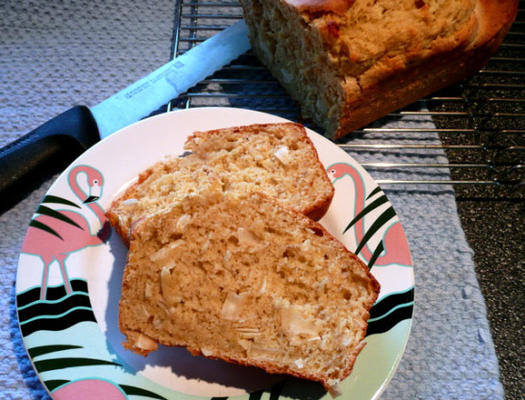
{"type": "Point", "coordinates": [142, 125]}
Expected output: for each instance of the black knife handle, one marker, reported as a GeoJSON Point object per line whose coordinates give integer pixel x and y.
{"type": "Point", "coordinates": [45, 150]}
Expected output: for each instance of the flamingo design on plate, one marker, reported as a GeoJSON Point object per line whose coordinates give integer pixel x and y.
{"type": "Point", "coordinates": [54, 235]}
{"type": "Point", "coordinates": [393, 248]}
{"type": "Point", "coordinates": [89, 389]}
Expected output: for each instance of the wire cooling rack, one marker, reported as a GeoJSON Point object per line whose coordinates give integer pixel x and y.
{"type": "Point", "coordinates": [480, 122]}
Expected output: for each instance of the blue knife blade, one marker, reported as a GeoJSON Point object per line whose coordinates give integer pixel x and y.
{"type": "Point", "coordinates": [61, 139]}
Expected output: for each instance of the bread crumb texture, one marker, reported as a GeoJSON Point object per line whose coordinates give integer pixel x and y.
{"type": "Point", "coordinates": [267, 158]}
{"type": "Point", "coordinates": [332, 54]}
{"type": "Point", "coordinates": [245, 280]}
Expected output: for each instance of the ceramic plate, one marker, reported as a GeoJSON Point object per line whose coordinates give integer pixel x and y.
{"type": "Point", "coordinates": [70, 270]}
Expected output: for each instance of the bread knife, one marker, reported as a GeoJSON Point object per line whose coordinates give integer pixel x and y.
{"type": "Point", "coordinates": [60, 140]}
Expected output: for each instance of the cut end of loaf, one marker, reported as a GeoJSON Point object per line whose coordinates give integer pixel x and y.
{"type": "Point", "coordinates": [278, 160]}
{"type": "Point", "coordinates": [247, 281]}
{"type": "Point", "coordinates": [349, 63]}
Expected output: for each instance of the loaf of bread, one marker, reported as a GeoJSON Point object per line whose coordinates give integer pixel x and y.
{"type": "Point", "coordinates": [349, 62]}
{"type": "Point", "coordinates": [245, 280]}
{"type": "Point", "coordinates": [276, 159]}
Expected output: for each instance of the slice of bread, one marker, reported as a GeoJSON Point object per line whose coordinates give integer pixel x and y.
{"type": "Point", "coordinates": [278, 160]}
{"type": "Point", "coordinates": [245, 280]}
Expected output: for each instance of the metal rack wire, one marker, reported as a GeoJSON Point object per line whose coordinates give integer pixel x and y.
{"type": "Point", "coordinates": [480, 122]}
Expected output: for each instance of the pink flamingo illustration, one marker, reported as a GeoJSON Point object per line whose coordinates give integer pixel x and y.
{"type": "Point", "coordinates": [394, 241]}
{"type": "Point", "coordinates": [54, 235]}
{"type": "Point", "coordinates": [89, 389]}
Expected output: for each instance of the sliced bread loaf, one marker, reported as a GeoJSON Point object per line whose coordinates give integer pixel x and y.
{"type": "Point", "coordinates": [245, 280]}
{"type": "Point", "coordinates": [349, 62]}
{"type": "Point", "coordinates": [276, 159]}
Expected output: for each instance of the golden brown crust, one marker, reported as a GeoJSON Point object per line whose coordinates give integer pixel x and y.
{"type": "Point", "coordinates": [115, 223]}
{"type": "Point", "coordinates": [495, 19]}
{"type": "Point", "coordinates": [316, 6]}
{"type": "Point", "coordinates": [439, 71]}
{"type": "Point", "coordinates": [241, 129]}
{"type": "Point", "coordinates": [271, 369]}
{"type": "Point", "coordinates": [123, 230]}
{"type": "Point", "coordinates": [319, 208]}
{"type": "Point", "coordinates": [344, 80]}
